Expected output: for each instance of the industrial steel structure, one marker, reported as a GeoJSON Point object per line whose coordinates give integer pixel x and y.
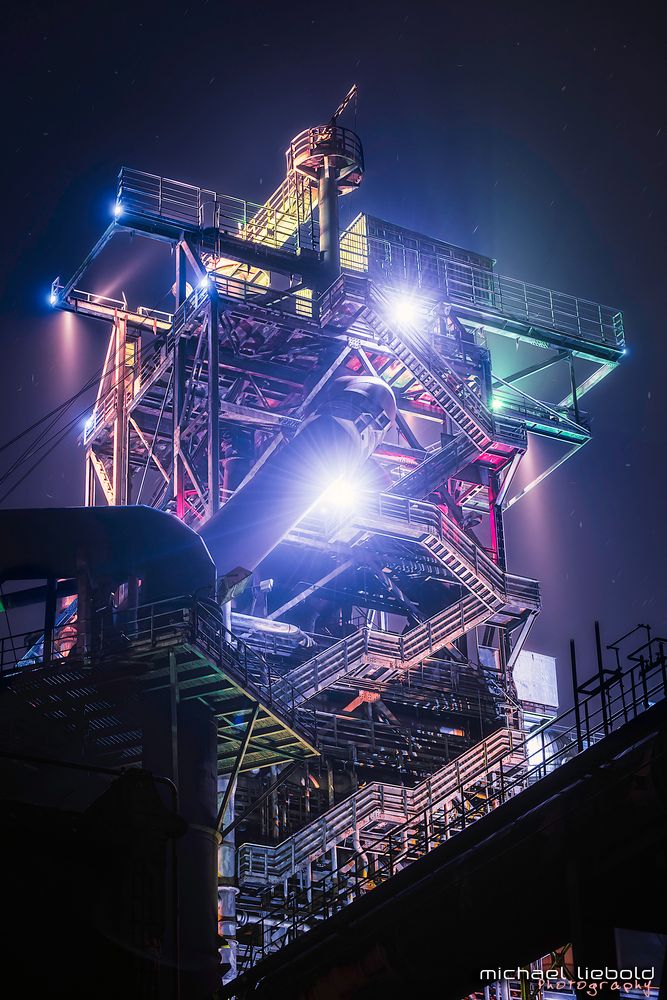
{"type": "Point", "coordinates": [341, 413]}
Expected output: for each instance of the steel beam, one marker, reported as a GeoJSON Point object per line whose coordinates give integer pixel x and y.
{"type": "Point", "coordinates": [535, 369]}
{"type": "Point", "coordinates": [547, 472]}
{"type": "Point", "coordinates": [310, 589]}
{"type": "Point", "coordinates": [282, 777]}
{"type": "Point", "coordinates": [237, 766]}
{"type": "Point", "coordinates": [213, 454]}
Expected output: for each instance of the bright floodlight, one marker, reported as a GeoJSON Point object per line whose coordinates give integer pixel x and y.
{"type": "Point", "coordinates": [53, 298]}
{"type": "Point", "coordinates": [496, 403]}
{"type": "Point", "coordinates": [341, 495]}
{"type": "Point", "coordinates": [204, 280]}
{"type": "Point", "coordinates": [405, 310]}
{"type": "Point", "coordinates": [117, 210]}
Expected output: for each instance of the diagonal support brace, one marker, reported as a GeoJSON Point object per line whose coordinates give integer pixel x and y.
{"type": "Point", "coordinates": [237, 767]}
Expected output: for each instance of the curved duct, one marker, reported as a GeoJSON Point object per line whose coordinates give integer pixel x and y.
{"type": "Point", "coordinates": [345, 429]}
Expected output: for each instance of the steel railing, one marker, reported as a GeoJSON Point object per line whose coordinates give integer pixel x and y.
{"type": "Point", "coordinates": [619, 697]}
{"type": "Point", "coordinates": [412, 346]}
{"type": "Point", "coordinates": [163, 623]}
{"type": "Point", "coordinates": [272, 225]}
{"type": "Point", "coordinates": [489, 589]}
{"type": "Point", "coordinates": [326, 140]}
{"type": "Point", "coordinates": [202, 624]}
{"type": "Point", "coordinates": [139, 378]}
{"type": "Point", "coordinates": [399, 267]}
{"type": "Point", "coordinates": [377, 801]}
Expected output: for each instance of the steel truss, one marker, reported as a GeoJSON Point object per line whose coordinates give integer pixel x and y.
{"type": "Point", "coordinates": [386, 600]}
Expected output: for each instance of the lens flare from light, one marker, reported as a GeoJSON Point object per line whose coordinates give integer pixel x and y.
{"type": "Point", "coordinates": [342, 495]}
{"type": "Point", "coordinates": [405, 310]}
{"type": "Point", "coordinates": [117, 210]}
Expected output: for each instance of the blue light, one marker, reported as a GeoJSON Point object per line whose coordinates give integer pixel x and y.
{"type": "Point", "coordinates": [117, 210]}
{"type": "Point", "coordinates": [53, 298]}
{"type": "Point", "coordinates": [203, 283]}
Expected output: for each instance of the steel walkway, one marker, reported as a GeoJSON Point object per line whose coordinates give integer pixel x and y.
{"type": "Point", "coordinates": [490, 591]}
{"type": "Point", "coordinates": [407, 343]}
{"type": "Point", "coordinates": [295, 902]}
{"type": "Point", "coordinates": [382, 803]}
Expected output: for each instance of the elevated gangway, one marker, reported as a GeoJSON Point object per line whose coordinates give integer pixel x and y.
{"type": "Point", "coordinates": [490, 591]}
{"type": "Point", "coordinates": [296, 901]}
{"type": "Point", "coordinates": [382, 803]}
{"type": "Point", "coordinates": [482, 298]}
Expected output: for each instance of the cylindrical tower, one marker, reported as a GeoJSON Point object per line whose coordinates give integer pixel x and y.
{"type": "Point", "coordinates": [332, 159]}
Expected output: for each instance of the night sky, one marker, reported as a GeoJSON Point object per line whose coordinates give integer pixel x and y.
{"type": "Point", "coordinates": [534, 134]}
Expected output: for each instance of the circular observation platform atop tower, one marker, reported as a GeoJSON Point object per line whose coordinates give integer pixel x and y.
{"type": "Point", "coordinates": [311, 150]}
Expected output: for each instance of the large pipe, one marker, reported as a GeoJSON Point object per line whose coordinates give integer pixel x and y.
{"type": "Point", "coordinates": [181, 739]}
{"type": "Point", "coordinates": [227, 890]}
{"type": "Point", "coordinates": [279, 637]}
{"type": "Point", "coordinates": [332, 443]}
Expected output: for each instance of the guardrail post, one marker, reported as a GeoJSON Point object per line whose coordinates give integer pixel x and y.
{"type": "Point", "coordinates": [575, 694]}
{"type": "Point", "coordinates": [650, 643]}
{"type": "Point", "coordinates": [633, 691]}
{"type": "Point", "coordinates": [603, 698]}
{"type": "Point", "coordinates": [623, 704]}
{"type": "Point", "coordinates": [642, 667]}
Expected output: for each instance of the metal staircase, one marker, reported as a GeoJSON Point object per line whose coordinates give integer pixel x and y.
{"type": "Point", "coordinates": [436, 468]}
{"type": "Point", "coordinates": [382, 656]}
{"type": "Point", "coordinates": [369, 837]}
{"type": "Point", "coordinates": [407, 343]}
{"type": "Point", "coordinates": [365, 840]}
{"type": "Point", "coordinates": [370, 652]}
{"type": "Point", "coordinates": [449, 789]}
{"type": "Point", "coordinates": [283, 224]}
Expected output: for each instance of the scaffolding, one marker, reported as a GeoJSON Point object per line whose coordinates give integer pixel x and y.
{"type": "Point", "coordinates": [381, 637]}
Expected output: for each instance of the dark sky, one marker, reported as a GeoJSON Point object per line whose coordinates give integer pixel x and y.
{"type": "Point", "coordinates": [536, 134]}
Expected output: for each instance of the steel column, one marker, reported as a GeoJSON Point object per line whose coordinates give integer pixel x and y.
{"type": "Point", "coordinates": [120, 431]}
{"type": "Point", "coordinates": [329, 222]}
{"type": "Point", "coordinates": [213, 456]}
